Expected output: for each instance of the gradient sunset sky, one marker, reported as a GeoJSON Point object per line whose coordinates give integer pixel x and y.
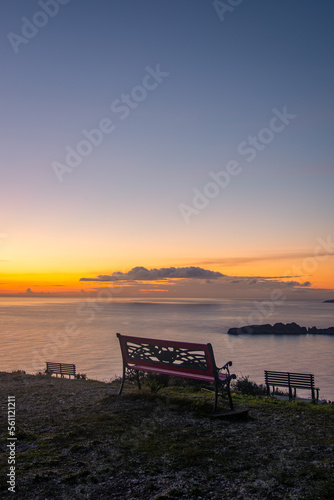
{"type": "Point", "coordinates": [214, 154]}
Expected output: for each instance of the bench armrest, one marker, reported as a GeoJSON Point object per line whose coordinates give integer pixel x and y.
{"type": "Point", "coordinates": [229, 376]}
{"type": "Point", "coordinates": [225, 367]}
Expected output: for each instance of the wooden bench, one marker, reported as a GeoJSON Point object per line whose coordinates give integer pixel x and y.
{"type": "Point", "coordinates": [290, 380]}
{"type": "Point", "coordinates": [60, 369]}
{"type": "Point", "coordinates": [180, 359]}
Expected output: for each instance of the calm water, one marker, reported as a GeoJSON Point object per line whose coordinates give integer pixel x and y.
{"type": "Point", "coordinates": [83, 332]}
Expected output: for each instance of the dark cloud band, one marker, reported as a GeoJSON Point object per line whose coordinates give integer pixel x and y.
{"type": "Point", "coordinates": [143, 274]}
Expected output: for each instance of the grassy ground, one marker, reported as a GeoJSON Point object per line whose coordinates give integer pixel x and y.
{"type": "Point", "coordinates": [77, 439]}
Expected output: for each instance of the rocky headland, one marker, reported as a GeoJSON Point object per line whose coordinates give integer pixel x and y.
{"type": "Point", "coordinates": [280, 329]}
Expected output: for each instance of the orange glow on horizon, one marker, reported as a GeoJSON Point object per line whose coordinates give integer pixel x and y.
{"type": "Point", "coordinates": [319, 272]}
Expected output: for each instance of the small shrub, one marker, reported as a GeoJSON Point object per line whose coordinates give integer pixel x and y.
{"type": "Point", "coordinates": [158, 378]}
{"type": "Point", "coordinates": [18, 372]}
{"type": "Point", "coordinates": [163, 380]}
{"type": "Point", "coordinates": [245, 386]}
{"type": "Point", "coordinates": [155, 381]}
{"type": "Point", "coordinates": [193, 385]}
{"type": "Point", "coordinates": [154, 386]}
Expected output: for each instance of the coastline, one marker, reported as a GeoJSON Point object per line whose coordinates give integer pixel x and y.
{"type": "Point", "coordinates": [280, 329]}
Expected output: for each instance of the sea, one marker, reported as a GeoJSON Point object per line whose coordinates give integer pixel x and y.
{"type": "Point", "coordinates": [83, 331]}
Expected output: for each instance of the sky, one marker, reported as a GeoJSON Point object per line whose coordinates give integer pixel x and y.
{"type": "Point", "coordinates": [178, 148]}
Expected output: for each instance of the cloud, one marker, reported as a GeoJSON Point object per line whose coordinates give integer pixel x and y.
{"type": "Point", "coordinates": [292, 283]}
{"type": "Point", "coordinates": [305, 284]}
{"type": "Point", "coordinates": [143, 274]}
{"type": "Point", "coordinates": [238, 261]}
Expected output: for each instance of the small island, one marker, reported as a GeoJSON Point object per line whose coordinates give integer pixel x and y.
{"type": "Point", "coordinates": [280, 329]}
{"type": "Point", "coordinates": [331, 301]}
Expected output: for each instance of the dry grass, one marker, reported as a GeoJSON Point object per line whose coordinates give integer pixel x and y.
{"type": "Point", "coordinates": [78, 440]}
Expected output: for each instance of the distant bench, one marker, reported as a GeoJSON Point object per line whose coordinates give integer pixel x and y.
{"type": "Point", "coordinates": [290, 380]}
{"type": "Point", "coordinates": [180, 359]}
{"type": "Point", "coordinates": [60, 369]}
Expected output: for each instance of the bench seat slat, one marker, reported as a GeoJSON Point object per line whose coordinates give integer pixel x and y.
{"type": "Point", "coordinates": [174, 373]}
{"type": "Point", "coordinates": [298, 386]}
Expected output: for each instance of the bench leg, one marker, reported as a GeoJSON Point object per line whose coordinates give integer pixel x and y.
{"type": "Point", "coordinates": [222, 394]}
{"type": "Point", "coordinates": [138, 381]}
{"type": "Point", "coordinates": [216, 398]}
{"type": "Point", "coordinates": [230, 396]}
{"type": "Point", "coordinates": [122, 384]}
{"type": "Point", "coordinates": [123, 380]}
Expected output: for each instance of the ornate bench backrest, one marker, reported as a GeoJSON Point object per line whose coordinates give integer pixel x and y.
{"type": "Point", "coordinates": [183, 357]}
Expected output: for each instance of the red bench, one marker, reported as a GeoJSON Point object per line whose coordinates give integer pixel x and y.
{"type": "Point", "coordinates": [180, 359]}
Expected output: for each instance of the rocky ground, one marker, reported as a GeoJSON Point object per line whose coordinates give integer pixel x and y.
{"type": "Point", "coordinates": [77, 439]}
